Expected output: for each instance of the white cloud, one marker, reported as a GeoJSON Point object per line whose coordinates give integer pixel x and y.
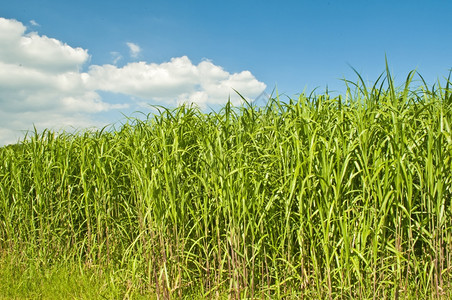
{"type": "Point", "coordinates": [116, 57]}
{"type": "Point", "coordinates": [34, 23]}
{"type": "Point", "coordinates": [37, 52]}
{"type": "Point", "coordinates": [41, 83]}
{"type": "Point", "coordinates": [134, 50]}
{"type": "Point", "coordinates": [176, 81]}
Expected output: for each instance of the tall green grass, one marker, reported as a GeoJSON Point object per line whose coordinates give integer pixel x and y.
{"type": "Point", "coordinates": [315, 197]}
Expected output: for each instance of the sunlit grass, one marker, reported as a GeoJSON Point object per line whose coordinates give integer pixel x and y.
{"type": "Point", "coordinates": [315, 197]}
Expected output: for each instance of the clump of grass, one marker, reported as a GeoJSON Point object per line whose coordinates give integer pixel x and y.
{"type": "Point", "coordinates": [316, 197]}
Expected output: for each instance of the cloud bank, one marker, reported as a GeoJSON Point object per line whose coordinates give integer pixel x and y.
{"type": "Point", "coordinates": [41, 83]}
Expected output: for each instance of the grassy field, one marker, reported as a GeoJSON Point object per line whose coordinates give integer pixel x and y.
{"type": "Point", "coordinates": [345, 197]}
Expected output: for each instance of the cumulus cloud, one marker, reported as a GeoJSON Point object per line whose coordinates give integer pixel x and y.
{"type": "Point", "coordinates": [42, 83]}
{"type": "Point", "coordinates": [176, 81]}
{"type": "Point", "coordinates": [134, 50]}
{"type": "Point", "coordinates": [37, 52]}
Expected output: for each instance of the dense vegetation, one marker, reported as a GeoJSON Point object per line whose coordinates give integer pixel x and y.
{"type": "Point", "coordinates": [316, 197]}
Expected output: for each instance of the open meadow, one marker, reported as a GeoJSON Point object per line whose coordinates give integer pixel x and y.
{"type": "Point", "coordinates": [319, 197]}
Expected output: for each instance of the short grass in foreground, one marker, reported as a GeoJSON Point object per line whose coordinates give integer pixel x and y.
{"type": "Point", "coordinates": [32, 280]}
{"type": "Point", "coordinates": [316, 197]}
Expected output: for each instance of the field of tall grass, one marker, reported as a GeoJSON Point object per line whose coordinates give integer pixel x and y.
{"type": "Point", "coordinates": [317, 197]}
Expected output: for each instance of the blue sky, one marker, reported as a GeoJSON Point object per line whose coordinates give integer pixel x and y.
{"type": "Point", "coordinates": [85, 63]}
